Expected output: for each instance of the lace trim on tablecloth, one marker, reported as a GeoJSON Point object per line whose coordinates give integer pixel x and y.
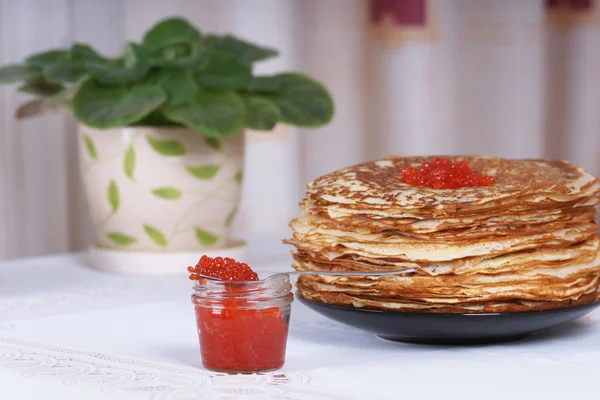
{"type": "Point", "coordinates": [162, 381]}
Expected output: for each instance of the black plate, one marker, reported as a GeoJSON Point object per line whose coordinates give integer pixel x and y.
{"type": "Point", "coordinates": [448, 328]}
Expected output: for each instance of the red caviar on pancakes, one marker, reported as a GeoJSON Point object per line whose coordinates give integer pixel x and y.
{"type": "Point", "coordinates": [442, 173]}
{"type": "Point", "coordinates": [238, 333]}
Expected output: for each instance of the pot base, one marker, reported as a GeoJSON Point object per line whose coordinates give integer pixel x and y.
{"type": "Point", "coordinates": [155, 263]}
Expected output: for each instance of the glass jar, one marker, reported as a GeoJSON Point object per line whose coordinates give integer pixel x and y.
{"type": "Point", "coordinates": [243, 326]}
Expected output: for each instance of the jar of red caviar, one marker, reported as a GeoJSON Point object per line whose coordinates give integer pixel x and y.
{"type": "Point", "coordinates": [243, 326]}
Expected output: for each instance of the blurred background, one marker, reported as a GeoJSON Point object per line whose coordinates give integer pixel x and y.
{"type": "Point", "coordinates": [511, 78]}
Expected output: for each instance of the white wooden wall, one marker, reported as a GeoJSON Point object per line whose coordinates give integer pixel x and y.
{"type": "Point", "coordinates": [36, 160]}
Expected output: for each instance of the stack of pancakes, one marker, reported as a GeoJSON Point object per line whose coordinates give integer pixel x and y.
{"type": "Point", "coordinates": [527, 242]}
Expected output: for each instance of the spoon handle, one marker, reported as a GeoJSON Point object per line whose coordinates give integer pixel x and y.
{"type": "Point", "coordinates": [344, 273]}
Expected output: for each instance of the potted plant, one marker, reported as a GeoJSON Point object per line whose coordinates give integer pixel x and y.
{"type": "Point", "coordinates": [161, 130]}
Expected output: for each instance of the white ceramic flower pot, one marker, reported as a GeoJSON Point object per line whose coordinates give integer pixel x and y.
{"type": "Point", "coordinates": [163, 190]}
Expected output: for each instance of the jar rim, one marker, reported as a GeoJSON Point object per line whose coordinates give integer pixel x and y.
{"type": "Point", "coordinates": [279, 286]}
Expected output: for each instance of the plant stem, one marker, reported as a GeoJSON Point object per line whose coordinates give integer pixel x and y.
{"type": "Point", "coordinates": [209, 195]}
{"type": "Point", "coordinates": [215, 196]}
{"type": "Point", "coordinates": [104, 221]}
{"type": "Point", "coordinates": [100, 161]}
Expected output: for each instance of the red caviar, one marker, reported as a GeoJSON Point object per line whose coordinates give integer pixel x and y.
{"type": "Point", "coordinates": [226, 269]}
{"type": "Point", "coordinates": [242, 326]}
{"type": "Point", "coordinates": [235, 340]}
{"type": "Point", "coordinates": [442, 173]}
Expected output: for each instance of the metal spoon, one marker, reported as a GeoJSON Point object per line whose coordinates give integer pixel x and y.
{"type": "Point", "coordinates": [336, 273]}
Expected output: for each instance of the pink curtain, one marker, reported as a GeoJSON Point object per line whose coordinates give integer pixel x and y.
{"type": "Point", "coordinates": [510, 78]}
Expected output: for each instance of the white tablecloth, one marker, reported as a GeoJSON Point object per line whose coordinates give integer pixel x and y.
{"type": "Point", "coordinates": [69, 332]}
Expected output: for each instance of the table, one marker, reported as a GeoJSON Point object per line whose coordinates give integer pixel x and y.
{"type": "Point", "coordinates": [70, 332]}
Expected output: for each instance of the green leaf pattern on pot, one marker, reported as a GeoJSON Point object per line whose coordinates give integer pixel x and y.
{"type": "Point", "coordinates": [167, 193]}
{"type": "Point", "coordinates": [156, 236]}
{"type": "Point", "coordinates": [231, 217]}
{"type": "Point", "coordinates": [204, 171]}
{"type": "Point", "coordinates": [113, 196]}
{"type": "Point", "coordinates": [129, 162]}
{"type": "Point", "coordinates": [167, 147]}
{"type": "Point", "coordinates": [121, 239]}
{"type": "Point", "coordinates": [160, 235]}
{"type": "Point", "coordinates": [239, 177]}
{"type": "Point", "coordinates": [205, 237]}
{"type": "Point", "coordinates": [90, 147]}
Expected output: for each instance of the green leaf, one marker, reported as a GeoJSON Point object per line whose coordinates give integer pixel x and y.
{"type": "Point", "coordinates": [212, 114]}
{"type": "Point", "coordinates": [167, 147]}
{"type": "Point", "coordinates": [55, 102]}
{"type": "Point", "coordinates": [40, 88]}
{"type": "Point", "coordinates": [91, 149]}
{"type": "Point", "coordinates": [155, 119]}
{"type": "Point", "coordinates": [261, 113]}
{"type": "Point", "coordinates": [174, 42]}
{"type": "Point", "coordinates": [263, 84]}
{"type": "Point", "coordinates": [135, 65]}
{"type": "Point", "coordinates": [110, 107]}
{"type": "Point", "coordinates": [64, 71]}
{"type": "Point", "coordinates": [177, 83]}
{"type": "Point", "coordinates": [246, 51]}
{"type": "Point", "coordinates": [113, 196]}
{"type": "Point", "coordinates": [231, 217]}
{"type": "Point", "coordinates": [46, 58]}
{"type": "Point", "coordinates": [30, 109]}
{"type": "Point", "coordinates": [223, 71]}
{"type": "Point", "coordinates": [121, 239]}
{"type": "Point", "coordinates": [302, 101]}
{"type": "Point", "coordinates": [15, 73]}
{"type": "Point", "coordinates": [214, 143]}
{"type": "Point", "coordinates": [185, 55]}
{"type": "Point", "coordinates": [156, 236]}
{"type": "Point", "coordinates": [239, 177]}
{"type": "Point", "coordinates": [169, 32]}
{"type": "Point", "coordinates": [129, 162]}
{"type": "Point", "coordinates": [167, 193]}
{"type": "Point", "coordinates": [205, 238]}
{"type": "Point", "coordinates": [83, 53]}
{"type": "Point", "coordinates": [204, 171]}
